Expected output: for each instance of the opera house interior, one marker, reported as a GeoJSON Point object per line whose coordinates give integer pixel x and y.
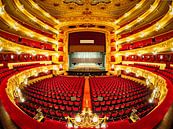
{"type": "Point", "coordinates": [67, 64]}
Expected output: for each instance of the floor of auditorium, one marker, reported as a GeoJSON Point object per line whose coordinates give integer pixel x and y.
{"type": "Point", "coordinates": [166, 123]}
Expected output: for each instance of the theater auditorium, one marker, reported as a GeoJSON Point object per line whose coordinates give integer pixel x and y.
{"type": "Point", "coordinates": [87, 64]}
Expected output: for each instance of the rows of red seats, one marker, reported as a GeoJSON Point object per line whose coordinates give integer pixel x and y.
{"type": "Point", "coordinates": [158, 58]}
{"type": "Point", "coordinates": [147, 42]}
{"type": "Point", "coordinates": [25, 41]}
{"type": "Point", "coordinates": [119, 96]}
{"type": "Point", "coordinates": [4, 72]}
{"type": "Point", "coordinates": [53, 96]}
{"type": "Point", "coordinates": [13, 57]}
{"type": "Point", "coordinates": [148, 67]}
{"type": "Point", "coordinates": [132, 75]}
{"type": "Point", "coordinates": [167, 72]}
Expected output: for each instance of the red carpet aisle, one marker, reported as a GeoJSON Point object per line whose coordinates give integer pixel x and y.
{"type": "Point", "coordinates": [86, 97]}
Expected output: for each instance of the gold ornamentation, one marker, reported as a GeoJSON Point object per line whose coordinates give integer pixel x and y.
{"type": "Point", "coordinates": [86, 120]}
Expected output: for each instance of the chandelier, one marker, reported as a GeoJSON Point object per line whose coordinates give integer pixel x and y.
{"type": "Point", "coordinates": [86, 120]}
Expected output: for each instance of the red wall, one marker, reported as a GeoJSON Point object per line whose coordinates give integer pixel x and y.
{"type": "Point", "coordinates": [99, 38]}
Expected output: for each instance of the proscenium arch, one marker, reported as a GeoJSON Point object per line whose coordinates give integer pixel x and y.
{"type": "Point", "coordinates": [107, 35]}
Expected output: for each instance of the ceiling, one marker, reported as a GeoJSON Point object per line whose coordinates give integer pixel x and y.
{"type": "Point", "coordinates": [89, 8]}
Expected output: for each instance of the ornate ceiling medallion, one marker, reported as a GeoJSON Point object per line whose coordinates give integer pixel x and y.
{"type": "Point", "coordinates": [78, 2]}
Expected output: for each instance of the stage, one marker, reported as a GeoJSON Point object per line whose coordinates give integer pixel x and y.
{"type": "Point", "coordinates": [86, 73]}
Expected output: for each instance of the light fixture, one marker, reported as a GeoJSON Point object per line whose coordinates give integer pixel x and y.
{"type": "Point", "coordinates": [155, 94]}
{"type": "Point", "coordinates": [139, 19]}
{"type": "Point", "coordinates": [158, 26]}
{"type": "Point", "coordinates": [55, 67]}
{"type": "Point", "coordinates": [45, 70]}
{"type": "Point", "coordinates": [2, 10]}
{"type": "Point", "coordinates": [33, 53]}
{"type": "Point", "coordinates": [154, 52]}
{"type": "Point", "coordinates": [35, 6]}
{"type": "Point", "coordinates": [161, 57]}
{"type": "Point", "coordinates": [44, 39]}
{"type": "Point", "coordinates": [57, 21]}
{"type": "Point", "coordinates": [139, 54]}
{"type": "Point", "coordinates": [128, 39]}
{"type": "Point", "coordinates": [34, 19]}
{"type": "Point", "coordinates": [86, 120]}
{"type": "Point", "coordinates": [147, 81]}
{"type": "Point", "coordinates": [171, 49]}
{"type": "Point", "coordinates": [21, 7]}
{"type": "Point", "coordinates": [46, 14]}
{"type": "Point", "coordinates": [126, 55]}
{"type": "Point", "coordinates": [30, 34]}
{"type": "Point", "coordinates": [138, 5]}
{"type": "Point", "coordinates": [126, 14]}
{"type": "Point", "coordinates": [142, 34]}
{"type": "Point", "coordinates": [18, 52]}
{"type": "Point", "coordinates": [152, 7]}
{"type": "Point", "coordinates": [171, 10]}
{"type": "Point", "coordinates": [150, 100]}
{"type": "Point", "coordinates": [26, 81]}
{"type": "Point", "coordinates": [116, 22]}
{"type": "Point", "coordinates": [46, 54]}
{"type": "Point", "coordinates": [127, 27]}
{"type": "Point", "coordinates": [112, 66]}
{"type": "Point", "coordinates": [14, 25]}
{"type": "Point", "coordinates": [46, 27]}
{"type": "Point", "coordinates": [1, 48]}
{"type": "Point", "coordinates": [18, 94]}
{"type": "Point", "coordinates": [12, 56]}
